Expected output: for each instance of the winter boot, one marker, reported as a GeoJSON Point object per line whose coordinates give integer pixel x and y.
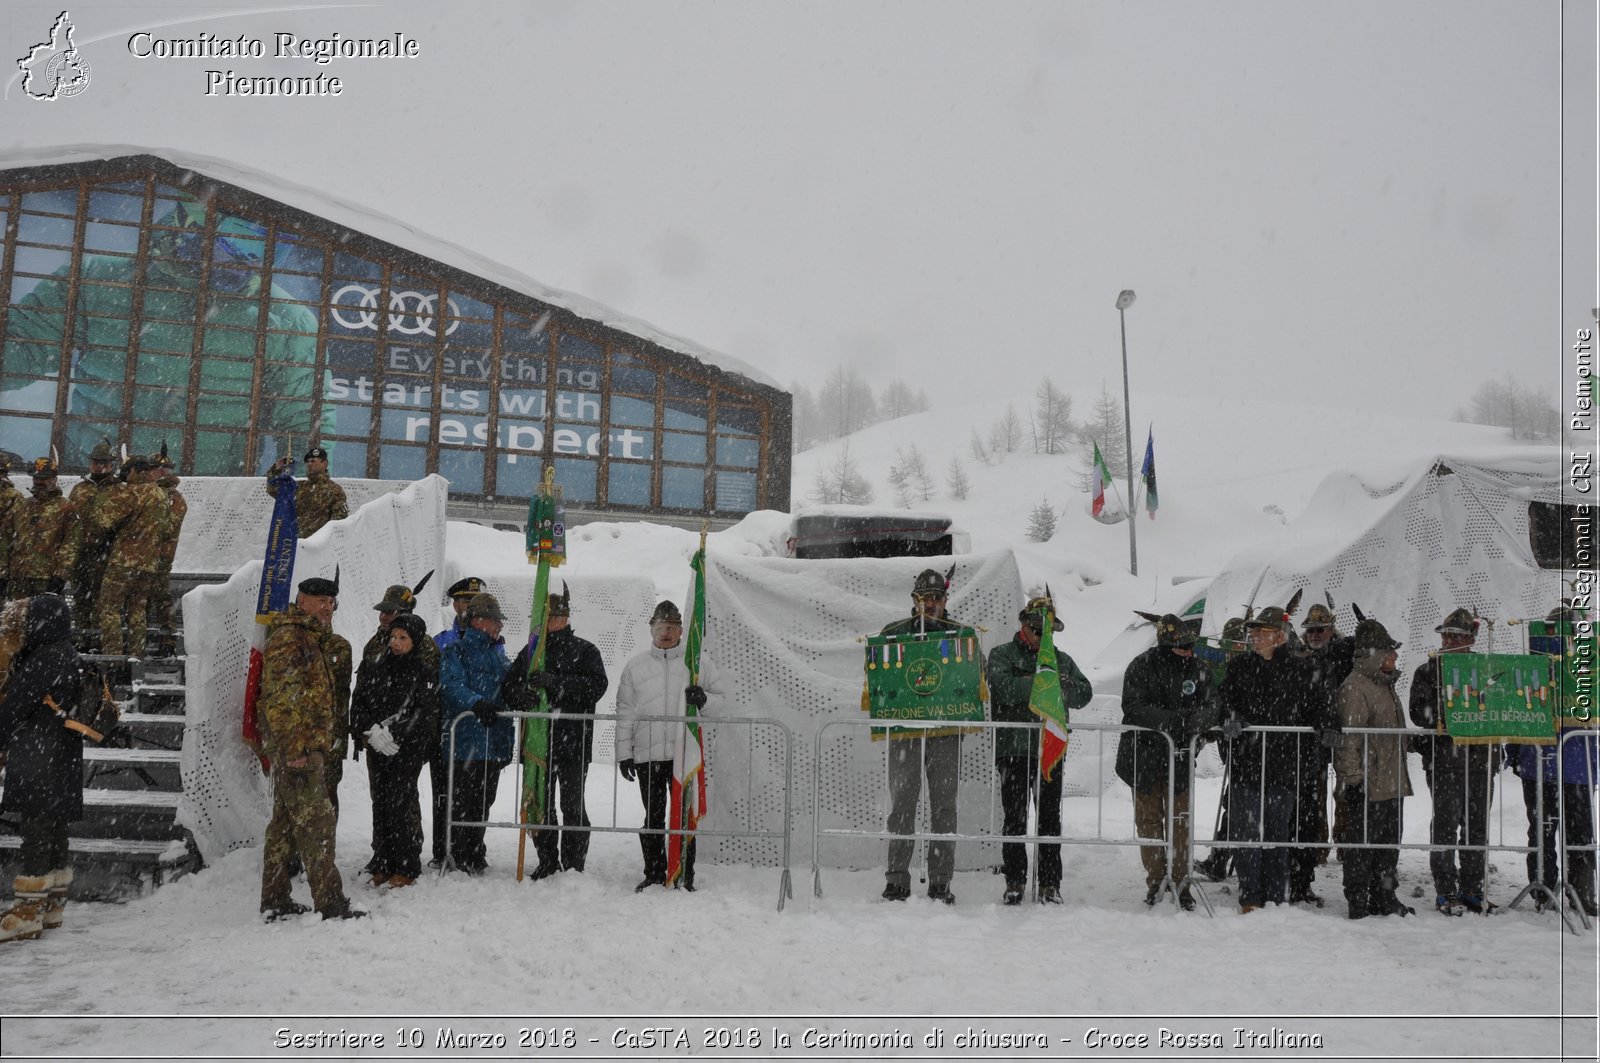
{"type": "Point", "coordinates": [1583, 885]}
{"type": "Point", "coordinates": [24, 920]}
{"type": "Point", "coordinates": [55, 909]}
{"type": "Point", "coordinates": [1477, 905]}
{"type": "Point", "coordinates": [1448, 904]}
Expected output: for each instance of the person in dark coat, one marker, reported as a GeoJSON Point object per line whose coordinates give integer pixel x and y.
{"type": "Point", "coordinates": [461, 593]}
{"type": "Point", "coordinates": [1167, 689]}
{"type": "Point", "coordinates": [395, 718]}
{"type": "Point", "coordinates": [1328, 658]}
{"type": "Point", "coordinates": [574, 676]}
{"type": "Point", "coordinates": [1267, 687]}
{"type": "Point", "coordinates": [1016, 750]}
{"type": "Point", "coordinates": [44, 773]}
{"type": "Point", "coordinates": [1460, 781]}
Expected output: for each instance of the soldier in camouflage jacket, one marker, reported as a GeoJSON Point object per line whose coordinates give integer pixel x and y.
{"type": "Point", "coordinates": [318, 499]}
{"type": "Point", "coordinates": [161, 611]}
{"type": "Point", "coordinates": [45, 537]}
{"type": "Point", "coordinates": [88, 497]}
{"type": "Point", "coordinates": [137, 515]}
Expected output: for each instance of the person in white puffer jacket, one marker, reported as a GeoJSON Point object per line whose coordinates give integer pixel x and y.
{"type": "Point", "coordinates": [656, 683]}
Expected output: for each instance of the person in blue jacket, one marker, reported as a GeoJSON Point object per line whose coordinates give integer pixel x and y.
{"type": "Point", "coordinates": [470, 672]}
{"type": "Point", "coordinates": [461, 593]}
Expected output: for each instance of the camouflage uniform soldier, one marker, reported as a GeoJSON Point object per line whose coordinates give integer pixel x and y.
{"type": "Point", "coordinates": [138, 516]}
{"type": "Point", "coordinates": [45, 537]}
{"type": "Point", "coordinates": [336, 648]}
{"type": "Point", "coordinates": [161, 607]}
{"type": "Point", "coordinates": [88, 497]}
{"type": "Point", "coordinates": [298, 721]}
{"type": "Point", "coordinates": [10, 499]}
{"type": "Point", "coordinates": [318, 499]}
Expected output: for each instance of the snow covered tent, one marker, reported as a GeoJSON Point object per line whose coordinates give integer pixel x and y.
{"type": "Point", "coordinates": [1501, 532]}
{"type": "Point", "coordinates": [159, 297]}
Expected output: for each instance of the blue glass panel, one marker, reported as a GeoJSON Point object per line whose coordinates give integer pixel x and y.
{"type": "Point", "coordinates": [37, 229]}
{"type": "Point", "coordinates": [641, 412]}
{"type": "Point", "coordinates": [401, 463]}
{"type": "Point", "coordinates": [736, 492]}
{"type": "Point", "coordinates": [738, 450]}
{"type": "Point", "coordinates": [351, 420]}
{"type": "Point", "coordinates": [29, 395]}
{"type": "Point", "coordinates": [59, 200]}
{"type": "Point", "coordinates": [114, 206]}
{"type": "Point", "coordinates": [457, 430]}
{"type": "Point", "coordinates": [631, 443]}
{"type": "Point", "coordinates": [297, 286]}
{"type": "Point", "coordinates": [678, 446]}
{"type": "Point", "coordinates": [516, 475]}
{"type": "Point", "coordinates": [27, 436]}
{"type": "Point", "coordinates": [629, 484]}
{"type": "Point", "coordinates": [682, 488]}
{"type": "Point", "coordinates": [40, 259]}
{"type": "Point", "coordinates": [688, 415]}
{"type": "Point", "coordinates": [578, 349]}
{"type": "Point", "coordinates": [350, 266]}
{"type": "Point", "coordinates": [578, 406]}
{"type": "Point", "coordinates": [345, 458]}
{"type": "Point", "coordinates": [292, 253]}
{"type": "Point", "coordinates": [101, 236]}
{"type": "Point", "coordinates": [577, 478]}
{"type": "Point", "coordinates": [745, 419]}
{"type": "Point", "coordinates": [463, 468]}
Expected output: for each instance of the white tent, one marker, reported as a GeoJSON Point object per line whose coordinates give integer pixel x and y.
{"type": "Point", "coordinates": [1412, 541]}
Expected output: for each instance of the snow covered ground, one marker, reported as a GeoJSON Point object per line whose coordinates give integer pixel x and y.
{"type": "Point", "coordinates": [490, 956]}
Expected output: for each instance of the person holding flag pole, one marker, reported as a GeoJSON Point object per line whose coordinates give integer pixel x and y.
{"type": "Point", "coordinates": [547, 548]}
{"type": "Point", "coordinates": [665, 756]}
{"type": "Point", "coordinates": [1030, 682]}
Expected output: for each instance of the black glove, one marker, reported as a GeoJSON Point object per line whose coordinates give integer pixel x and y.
{"type": "Point", "coordinates": [541, 680]}
{"type": "Point", "coordinates": [626, 769]}
{"type": "Point", "coordinates": [695, 695]}
{"type": "Point", "coordinates": [1330, 736]}
{"type": "Point", "coordinates": [1232, 728]}
{"type": "Point", "coordinates": [56, 585]}
{"type": "Point", "coordinates": [486, 711]}
{"type": "Point", "coordinates": [3, 585]}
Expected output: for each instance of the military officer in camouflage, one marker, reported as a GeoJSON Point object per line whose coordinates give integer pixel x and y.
{"type": "Point", "coordinates": [398, 600]}
{"type": "Point", "coordinates": [318, 499]}
{"type": "Point", "coordinates": [137, 517]}
{"type": "Point", "coordinates": [45, 537]}
{"type": "Point", "coordinates": [161, 605]}
{"type": "Point", "coordinates": [88, 496]}
{"type": "Point", "coordinates": [299, 730]}
{"type": "Point", "coordinates": [341, 665]}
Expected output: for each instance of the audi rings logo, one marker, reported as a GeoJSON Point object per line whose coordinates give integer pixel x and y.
{"type": "Point", "coordinates": [355, 306]}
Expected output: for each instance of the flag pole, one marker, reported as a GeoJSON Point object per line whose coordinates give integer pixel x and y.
{"type": "Point", "coordinates": [541, 510]}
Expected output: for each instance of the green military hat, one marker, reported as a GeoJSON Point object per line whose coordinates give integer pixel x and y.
{"type": "Point", "coordinates": [485, 606]}
{"type": "Point", "coordinates": [1459, 622]}
{"type": "Point", "coordinates": [929, 582]}
{"type": "Point", "coordinates": [102, 452]}
{"type": "Point", "coordinates": [1271, 616]}
{"type": "Point", "coordinates": [666, 613]}
{"type": "Point", "coordinates": [1035, 609]}
{"type": "Point", "coordinates": [1234, 630]}
{"type": "Point", "coordinates": [1172, 631]}
{"type": "Point", "coordinates": [1318, 616]}
{"type": "Point", "coordinates": [561, 604]}
{"type": "Point", "coordinates": [397, 599]}
{"type": "Point", "coordinates": [469, 587]}
{"type": "Point", "coordinates": [1373, 637]}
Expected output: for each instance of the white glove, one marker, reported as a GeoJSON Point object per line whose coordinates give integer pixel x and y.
{"type": "Point", "coordinates": [379, 740]}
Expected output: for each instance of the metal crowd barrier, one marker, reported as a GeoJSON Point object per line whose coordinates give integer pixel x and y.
{"type": "Point", "coordinates": [785, 888]}
{"type": "Point", "coordinates": [1496, 752]}
{"type": "Point", "coordinates": [1033, 839]}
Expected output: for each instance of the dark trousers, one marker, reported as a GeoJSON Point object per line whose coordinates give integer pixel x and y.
{"type": "Point", "coordinates": [655, 786]}
{"type": "Point", "coordinates": [1461, 801]}
{"type": "Point", "coordinates": [476, 783]}
{"type": "Point", "coordinates": [566, 849]}
{"type": "Point", "coordinates": [1253, 818]}
{"type": "Point", "coordinates": [1580, 831]}
{"type": "Point", "coordinates": [1310, 824]}
{"type": "Point", "coordinates": [439, 785]}
{"type": "Point", "coordinates": [1370, 874]}
{"type": "Point", "coordinates": [44, 845]}
{"type": "Point", "coordinates": [1017, 775]}
{"type": "Point", "coordinates": [396, 814]}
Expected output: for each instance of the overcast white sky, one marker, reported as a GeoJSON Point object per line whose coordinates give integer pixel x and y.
{"type": "Point", "coordinates": [1357, 201]}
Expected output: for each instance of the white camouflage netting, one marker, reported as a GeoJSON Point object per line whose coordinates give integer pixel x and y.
{"type": "Point", "coordinates": [394, 538]}
{"type": "Point", "coordinates": [787, 632]}
{"type": "Point", "coordinates": [1432, 541]}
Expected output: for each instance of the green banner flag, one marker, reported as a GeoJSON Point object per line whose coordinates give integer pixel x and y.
{"type": "Point", "coordinates": [1497, 697]}
{"type": "Point", "coordinates": [937, 676]}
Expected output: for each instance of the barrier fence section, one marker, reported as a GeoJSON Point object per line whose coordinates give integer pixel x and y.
{"type": "Point", "coordinates": [708, 827]}
{"type": "Point", "coordinates": [1576, 827]}
{"type": "Point", "coordinates": [1078, 731]}
{"type": "Point", "coordinates": [1475, 798]}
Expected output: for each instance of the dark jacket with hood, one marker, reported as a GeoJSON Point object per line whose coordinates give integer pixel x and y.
{"type": "Point", "coordinates": [402, 693]}
{"type": "Point", "coordinates": [44, 765]}
{"type": "Point", "coordinates": [1172, 694]}
{"type": "Point", "coordinates": [1259, 692]}
{"type": "Point", "coordinates": [580, 682]}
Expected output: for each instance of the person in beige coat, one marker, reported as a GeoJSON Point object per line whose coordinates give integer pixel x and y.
{"type": "Point", "coordinates": [1372, 774]}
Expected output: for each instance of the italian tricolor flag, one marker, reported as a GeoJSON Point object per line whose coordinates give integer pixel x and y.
{"type": "Point", "coordinates": [1045, 700]}
{"type": "Point", "coordinates": [1102, 476]}
{"type": "Point", "coordinates": [688, 799]}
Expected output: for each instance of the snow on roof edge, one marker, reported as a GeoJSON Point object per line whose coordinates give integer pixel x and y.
{"type": "Point", "coordinates": [391, 230]}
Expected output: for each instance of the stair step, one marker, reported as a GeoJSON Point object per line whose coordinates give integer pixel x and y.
{"type": "Point", "coordinates": [167, 852]}
{"type": "Point", "coordinates": [169, 718]}
{"type": "Point", "coordinates": [96, 798]}
{"type": "Point", "coordinates": [153, 690]}
{"type": "Point", "coordinates": [101, 755]}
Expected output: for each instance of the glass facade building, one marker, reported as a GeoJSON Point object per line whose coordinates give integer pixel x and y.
{"type": "Point", "coordinates": [149, 304]}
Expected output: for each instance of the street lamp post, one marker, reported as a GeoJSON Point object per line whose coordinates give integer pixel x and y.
{"type": "Point", "coordinates": [1124, 300]}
